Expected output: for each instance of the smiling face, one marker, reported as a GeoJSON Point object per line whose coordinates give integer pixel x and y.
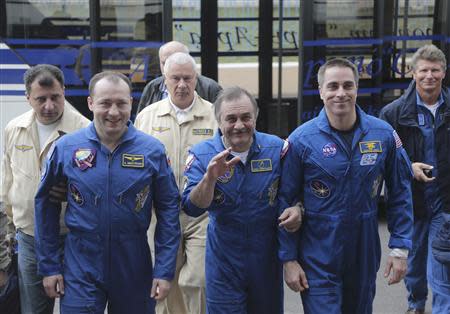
{"type": "Point", "coordinates": [338, 91]}
{"type": "Point", "coordinates": [428, 76]}
{"type": "Point", "coordinates": [46, 101]}
{"type": "Point", "coordinates": [238, 123]}
{"type": "Point", "coordinates": [110, 103]}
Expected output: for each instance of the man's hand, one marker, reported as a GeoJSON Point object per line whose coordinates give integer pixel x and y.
{"type": "Point", "coordinates": [396, 268]}
{"type": "Point", "coordinates": [219, 165]}
{"type": "Point", "coordinates": [291, 218]}
{"type": "Point", "coordinates": [294, 276]}
{"type": "Point", "coordinates": [54, 286]}
{"type": "Point", "coordinates": [160, 289]}
{"type": "Point", "coordinates": [418, 169]}
{"type": "Point", "coordinates": [58, 193]}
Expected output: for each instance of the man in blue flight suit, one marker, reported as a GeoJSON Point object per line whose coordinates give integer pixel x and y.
{"type": "Point", "coordinates": [235, 177]}
{"type": "Point", "coordinates": [114, 174]}
{"type": "Point", "coordinates": [422, 119]}
{"type": "Point", "coordinates": [336, 164]}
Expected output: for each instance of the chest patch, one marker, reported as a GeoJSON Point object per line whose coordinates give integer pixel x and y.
{"type": "Point", "coordinates": [84, 158]}
{"type": "Point", "coordinates": [141, 197]}
{"type": "Point", "coordinates": [160, 129]}
{"type": "Point", "coordinates": [272, 191]}
{"type": "Point", "coordinates": [132, 161]}
{"type": "Point", "coordinates": [370, 147]}
{"type": "Point", "coordinates": [208, 132]}
{"type": "Point", "coordinates": [319, 189]}
{"type": "Point", "coordinates": [329, 150]}
{"type": "Point", "coordinates": [227, 176]}
{"type": "Point", "coordinates": [368, 159]}
{"type": "Point", "coordinates": [76, 195]}
{"type": "Point", "coordinates": [23, 147]}
{"type": "Point", "coordinates": [218, 197]}
{"type": "Point", "coordinates": [261, 165]}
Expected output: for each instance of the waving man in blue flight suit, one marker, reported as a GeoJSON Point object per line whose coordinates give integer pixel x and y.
{"type": "Point", "coordinates": [114, 174]}
{"type": "Point", "coordinates": [235, 177]}
{"type": "Point", "coordinates": [336, 164]}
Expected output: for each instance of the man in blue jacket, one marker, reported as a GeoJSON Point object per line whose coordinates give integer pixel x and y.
{"type": "Point", "coordinates": [234, 176]}
{"type": "Point", "coordinates": [336, 164]}
{"type": "Point", "coordinates": [422, 119]}
{"type": "Point", "coordinates": [114, 174]}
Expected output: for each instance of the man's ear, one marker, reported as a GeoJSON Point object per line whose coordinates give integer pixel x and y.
{"type": "Point", "coordinates": [90, 103]}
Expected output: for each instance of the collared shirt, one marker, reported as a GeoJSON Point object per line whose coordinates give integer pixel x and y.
{"type": "Point", "coordinates": [182, 113]}
{"type": "Point", "coordinates": [21, 164]}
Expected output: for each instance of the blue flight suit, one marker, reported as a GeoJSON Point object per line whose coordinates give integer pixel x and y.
{"type": "Point", "coordinates": [109, 201]}
{"type": "Point", "coordinates": [338, 245]}
{"type": "Point", "coordinates": [243, 273]}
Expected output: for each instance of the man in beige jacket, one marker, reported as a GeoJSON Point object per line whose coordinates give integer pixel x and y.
{"type": "Point", "coordinates": [180, 121]}
{"type": "Point", "coordinates": [28, 138]}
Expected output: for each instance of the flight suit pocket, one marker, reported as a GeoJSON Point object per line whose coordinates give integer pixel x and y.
{"type": "Point", "coordinates": [137, 199]}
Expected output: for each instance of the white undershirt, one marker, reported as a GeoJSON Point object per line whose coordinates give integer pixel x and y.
{"type": "Point", "coordinates": [433, 108]}
{"type": "Point", "coordinates": [44, 131]}
{"type": "Point", "coordinates": [242, 155]}
{"type": "Point", "coordinates": [182, 113]}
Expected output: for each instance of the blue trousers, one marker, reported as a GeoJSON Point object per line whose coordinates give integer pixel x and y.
{"type": "Point", "coordinates": [416, 276]}
{"type": "Point", "coordinates": [94, 279]}
{"type": "Point", "coordinates": [438, 274]}
{"type": "Point", "coordinates": [32, 294]}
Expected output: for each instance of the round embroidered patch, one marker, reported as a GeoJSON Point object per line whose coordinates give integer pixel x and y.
{"type": "Point", "coordinates": [329, 150]}
{"type": "Point", "coordinates": [319, 189]}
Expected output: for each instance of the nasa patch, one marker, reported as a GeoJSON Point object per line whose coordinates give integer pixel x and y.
{"type": "Point", "coordinates": [329, 150]}
{"type": "Point", "coordinates": [319, 189]}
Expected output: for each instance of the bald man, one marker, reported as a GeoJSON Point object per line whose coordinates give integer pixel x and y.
{"type": "Point", "coordinates": [156, 90]}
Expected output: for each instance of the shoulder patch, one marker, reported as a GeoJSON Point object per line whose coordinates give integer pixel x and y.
{"type": "Point", "coordinates": [189, 160]}
{"type": "Point", "coordinates": [285, 148]}
{"type": "Point", "coordinates": [398, 141]}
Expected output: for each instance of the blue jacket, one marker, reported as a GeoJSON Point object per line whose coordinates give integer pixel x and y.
{"type": "Point", "coordinates": [110, 197]}
{"type": "Point", "coordinates": [402, 115]}
{"type": "Point", "coordinates": [340, 188]}
{"type": "Point", "coordinates": [248, 193]}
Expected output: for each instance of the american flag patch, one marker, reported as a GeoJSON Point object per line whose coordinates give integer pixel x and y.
{"type": "Point", "coordinates": [285, 149]}
{"type": "Point", "coordinates": [398, 141]}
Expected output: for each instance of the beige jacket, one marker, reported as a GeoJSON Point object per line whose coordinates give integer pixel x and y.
{"type": "Point", "coordinates": [160, 121]}
{"type": "Point", "coordinates": [21, 164]}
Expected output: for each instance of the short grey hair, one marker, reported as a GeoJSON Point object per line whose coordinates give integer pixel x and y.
{"type": "Point", "coordinates": [429, 53]}
{"type": "Point", "coordinates": [337, 62]}
{"type": "Point", "coordinates": [180, 58]}
{"type": "Point", "coordinates": [173, 45]}
{"type": "Point", "coordinates": [46, 74]}
{"type": "Point", "coordinates": [230, 94]}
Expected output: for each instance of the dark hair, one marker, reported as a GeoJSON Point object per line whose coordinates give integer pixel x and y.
{"type": "Point", "coordinates": [112, 76]}
{"type": "Point", "coordinates": [233, 93]}
{"type": "Point", "coordinates": [46, 74]}
{"type": "Point", "coordinates": [337, 62]}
